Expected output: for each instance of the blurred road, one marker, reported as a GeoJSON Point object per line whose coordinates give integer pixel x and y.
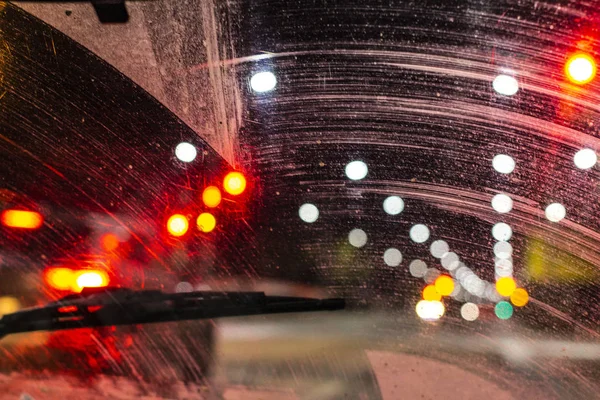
{"type": "Point", "coordinates": [343, 356]}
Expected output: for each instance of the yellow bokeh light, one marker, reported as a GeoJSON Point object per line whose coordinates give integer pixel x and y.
{"type": "Point", "coordinates": [206, 222]}
{"type": "Point", "coordinates": [9, 305]}
{"type": "Point", "coordinates": [90, 278]}
{"type": "Point", "coordinates": [505, 286]}
{"type": "Point", "coordinates": [211, 196]}
{"type": "Point", "coordinates": [580, 68]}
{"type": "Point", "coordinates": [234, 183]}
{"type": "Point", "coordinates": [444, 285]}
{"type": "Point", "coordinates": [177, 225]}
{"type": "Point", "coordinates": [431, 294]}
{"type": "Point", "coordinates": [519, 297]}
{"type": "Point", "coordinates": [59, 278]}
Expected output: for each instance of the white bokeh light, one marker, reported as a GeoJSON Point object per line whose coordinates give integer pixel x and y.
{"type": "Point", "coordinates": [505, 84]}
{"type": "Point", "coordinates": [501, 203]}
{"type": "Point", "coordinates": [469, 311]}
{"type": "Point", "coordinates": [357, 237]}
{"type": "Point", "coordinates": [185, 152]}
{"type": "Point", "coordinates": [419, 233]}
{"type": "Point", "coordinates": [585, 159]}
{"type": "Point", "coordinates": [263, 81]}
{"type": "Point", "coordinates": [392, 257]}
{"type": "Point", "coordinates": [431, 275]}
{"type": "Point", "coordinates": [450, 261]}
{"type": "Point", "coordinates": [309, 213]}
{"type": "Point", "coordinates": [439, 248]}
{"type": "Point", "coordinates": [503, 163]}
{"type": "Point", "coordinates": [417, 268]}
{"type": "Point", "coordinates": [430, 310]}
{"type": "Point", "coordinates": [503, 267]}
{"type": "Point", "coordinates": [555, 212]}
{"type": "Point", "coordinates": [356, 170]}
{"type": "Point", "coordinates": [393, 205]}
{"type": "Point", "coordinates": [502, 231]}
{"type": "Point", "coordinates": [503, 250]}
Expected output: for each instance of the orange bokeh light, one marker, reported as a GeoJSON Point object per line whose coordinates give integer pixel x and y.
{"type": "Point", "coordinates": [519, 297]}
{"type": "Point", "coordinates": [431, 294]}
{"type": "Point", "coordinates": [211, 196]}
{"type": "Point", "coordinates": [234, 183]}
{"type": "Point", "coordinates": [59, 278]}
{"type": "Point", "coordinates": [206, 222]}
{"type": "Point", "coordinates": [444, 285]}
{"type": "Point", "coordinates": [22, 219]}
{"type": "Point", "coordinates": [177, 225]}
{"type": "Point", "coordinates": [506, 286]}
{"type": "Point", "coordinates": [109, 242]}
{"type": "Point", "coordinates": [580, 68]}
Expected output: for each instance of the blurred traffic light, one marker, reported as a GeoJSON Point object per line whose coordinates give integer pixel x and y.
{"type": "Point", "coordinates": [580, 68]}
{"type": "Point", "coordinates": [22, 219]}
{"type": "Point", "coordinates": [234, 183]}
{"type": "Point", "coordinates": [211, 196]}
{"type": "Point", "coordinates": [206, 222]}
{"type": "Point", "coordinates": [177, 225]}
{"type": "Point", "coordinates": [506, 286]}
{"type": "Point", "coordinates": [519, 297]}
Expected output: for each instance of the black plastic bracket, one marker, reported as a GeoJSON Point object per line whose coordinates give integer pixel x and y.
{"type": "Point", "coordinates": [111, 11]}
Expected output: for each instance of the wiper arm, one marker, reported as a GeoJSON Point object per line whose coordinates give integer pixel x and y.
{"type": "Point", "coordinates": [116, 306]}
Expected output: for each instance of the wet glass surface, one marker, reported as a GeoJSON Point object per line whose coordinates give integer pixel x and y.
{"type": "Point", "coordinates": [434, 163]}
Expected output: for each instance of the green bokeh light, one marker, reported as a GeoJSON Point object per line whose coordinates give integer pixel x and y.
{"type": "Point", "coordinates": [504, 310]}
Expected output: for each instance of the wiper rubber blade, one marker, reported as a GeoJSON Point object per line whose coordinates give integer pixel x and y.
{"type": "Point", "coordinates": [116, 306]}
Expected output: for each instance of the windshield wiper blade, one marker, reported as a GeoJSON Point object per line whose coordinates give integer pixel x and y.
{"type": "Point", "coordinates": [116, 306]}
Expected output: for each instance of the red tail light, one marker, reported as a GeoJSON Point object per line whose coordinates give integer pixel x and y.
{"type": "Point", "coordinates": [22, 219]}
{"type": "Point", "coordinates": [75, 280]}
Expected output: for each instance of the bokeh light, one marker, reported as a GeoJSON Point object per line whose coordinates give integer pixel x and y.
{"type": "Point", "coordinates": [392, 257]}
{"type": "Point", "coordinates": [505, 286]}
{"type": "Point", "coordinates": [357, 238]}
{"type": "Point", "coordinates": [501, 203]}
{"type": "Point", "coordinates": [393, 205]}
{"type": "Point", "coordinates": [503, 250]}
{"type": "Point", "coordinates": [506, 85]}
{"type": "Point", "coordinates": [417, 268]}
{"type": "Point", "coordinates": [555, 212]}
{"type": "Point", "coordinates": [431, 275]}
{"type": "Point", "coordinates": [9, 305]}
{"type": "Point", "coordinates": [503, 163]}
{"type": "Point", "coordinates": [430, 310]}
{"type": "Point", "coordinates": [419, 233]}
{"type": "Point", "coordinates": [211, 197]}
{"type": "Point", "coordinates": [430, 293]}
{"type": "Point", "coordinates": [503, 310]}
{"type": "Point", "coordinates": [444, 285]}
{"type": "Point", "coordinates": [519, 297]}
{"type": "Point", "coordinates": [185, 152]}
{"type": "Point", "coordinates": [450, 261]}
{"type": "Point", "coordinates": [439, 248]}
{"type": "Point", "coordinates": [234, 183]}
{"type": "Point", "coordinates": [504, 267]}
{"type": "Point", "coordinates": [59, 278]}
{"type": "Point", "coordinates": [264, 81]}
{"type": "Point", "coordinates": [580, 68]}
{"type": "Point", "coordinates": [469, 311]}
{"type": "Point", "coordinates": [206, 222]}
{"type": "Point", "coordinates": [91, 279]}
{"type": "Point", "coordinates": [22, 219]}
{"type": "Point", "coordinates": [177, 225]}
{"type": "Point", "coordinates": [502, 231]}
{"type": "Point", "coordinates": [356, 170]}
{"type": "Point", "coordinates": [309, 213]}
{"type": "Point", "coordinates": [585, 159]}
{"type": "Point", "coordinates": [109, 242]}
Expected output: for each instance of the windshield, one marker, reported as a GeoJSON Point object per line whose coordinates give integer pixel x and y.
{"type": "Point", "coordinates": [432, 163]}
